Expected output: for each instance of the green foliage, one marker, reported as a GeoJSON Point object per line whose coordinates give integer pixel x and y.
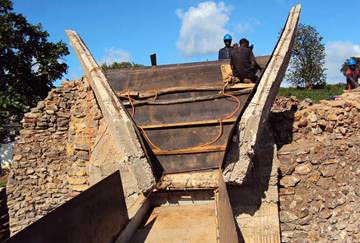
{"type": "Point", "coordinates": [307, 65]}
{"type": "Point", "coordinates": [29, 63]}
{"type": "Point", "coordinates": [119, 65]}
{"type": "Point", "coordinates": [316, 94]}
{"type": "Point", "coordinates": [344, 67]}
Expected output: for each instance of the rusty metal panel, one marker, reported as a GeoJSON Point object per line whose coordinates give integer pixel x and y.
{"type": "Point", "coordinates": [96, 215]}
{"type": "Point", "coordinates": [190, 162]}
{"type": "Point", "coordinates": [165, 76]}
{"type": "Point", "coordinates": [202, 110]}
{"type": "Point", "coordinates": [225, 216]}
{"type": "Point", "coordinates": [202, 74]}
{"type": "Point", "coordinates": [161, 77]}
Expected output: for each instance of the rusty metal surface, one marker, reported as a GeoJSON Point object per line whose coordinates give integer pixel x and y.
{"type": "Point", "coordinates": [96, 215]}
{"type": "Point", "coordinates": [181, 75]}
{"type": "Point", "coordinates": [190, 162]}
{"type": "Point", "coordinates": [166, 76]}
{"type": "Point", "coordinates": [225, 216]}
{"type": "Point", "coordinates": [202, 110]}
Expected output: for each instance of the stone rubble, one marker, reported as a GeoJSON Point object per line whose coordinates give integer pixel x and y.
{"type": "Point", "coordinates": [318, 150]}
{"type": "Point", "coordinates": [319, 189]}
{"type": "Point", "coordinates": [51, 154]}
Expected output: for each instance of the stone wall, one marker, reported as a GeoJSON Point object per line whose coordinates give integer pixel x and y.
{"type": "Point", "coordinates": [52, 152]}
{"type": "Point", "coordinates": [319, 169]}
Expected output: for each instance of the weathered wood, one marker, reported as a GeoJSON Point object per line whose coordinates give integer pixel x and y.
{"type": "Point", "coordinates": [256, 114]}
{"type": "Point", "coordinates": [187, 100]}
{"type": "Point", "coordinates": [115, 115]}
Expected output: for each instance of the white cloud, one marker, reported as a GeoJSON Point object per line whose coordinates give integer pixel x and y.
{"type": "Point", "coordinates": [247, 26]}
{"type": "Point", "coordinates": [336, 53]}
{"type": "Point", "coordinates": [202, 27]}
{"type": "Point", "coordinates": [115, 55]}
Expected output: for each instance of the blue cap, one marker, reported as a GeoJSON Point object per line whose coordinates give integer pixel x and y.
{"type": "Point", "coordinates": [227, 37]}
{"type": "Point", "coordinates": [351, 61]}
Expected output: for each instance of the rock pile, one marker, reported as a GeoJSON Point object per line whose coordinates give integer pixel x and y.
{"type": "Point", "coordinates": [319, 170]}
{"type": "Point", "coordinates": [51, 153]}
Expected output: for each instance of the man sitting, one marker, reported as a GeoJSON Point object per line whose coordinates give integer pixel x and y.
{"type": "Point", "coordinates": [352, 74]}
{"type": "Point", "coordinates": [243, 63]}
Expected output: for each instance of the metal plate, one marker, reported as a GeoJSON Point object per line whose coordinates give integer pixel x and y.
{"type": "Point", "coordinates": [96, 215]}
{"type": "Point", "coordinates": [181, 75]}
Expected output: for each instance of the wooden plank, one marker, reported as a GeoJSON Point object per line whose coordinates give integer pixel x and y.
{"type": "Point", "coordinates": [195, 150]}
{"type": "Point", "coordinates": [96, 215]}
{"type": "Point", "coordinates": [187, 124]}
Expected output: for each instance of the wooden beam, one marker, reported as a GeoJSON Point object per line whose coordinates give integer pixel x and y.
{"type": "Point", "coordinates": [194, 150]}
{"type": "Point", "coordinates": [187, 124]}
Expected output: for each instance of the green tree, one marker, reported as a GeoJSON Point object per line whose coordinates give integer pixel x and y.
{"type": "Point", "coordinates": [29, 63]}
{"type": "Point", "coordinates": [119, 65]}
{"type": "Point", "coordinates": [307, 65]}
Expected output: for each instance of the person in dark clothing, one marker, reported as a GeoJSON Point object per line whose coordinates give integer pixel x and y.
{"type": "Point", "coordinates": [243, 62]}
{"type": "Point", "coordinates": [224, 53]}
{"type": "Point", "coordinates": [352, 74]}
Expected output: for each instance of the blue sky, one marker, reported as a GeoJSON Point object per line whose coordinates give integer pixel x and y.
{"type": "Point", "coordinates": [186, 31]}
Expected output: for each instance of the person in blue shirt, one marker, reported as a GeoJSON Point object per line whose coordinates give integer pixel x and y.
{"type": "Point", "coordinates": [225, 53]}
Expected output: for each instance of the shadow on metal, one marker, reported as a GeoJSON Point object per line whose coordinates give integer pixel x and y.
{"type": "Point", "coordinates": [96, 215]}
